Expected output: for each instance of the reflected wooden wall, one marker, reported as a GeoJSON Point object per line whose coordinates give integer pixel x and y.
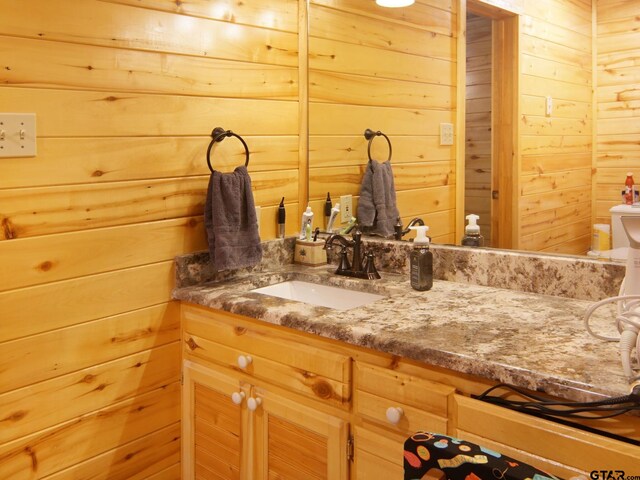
{"type": "Point", "coordinates": [556, 150]}
{"type": "Point", "coordinates": [126, 93]}
{"type": "Point", "coordinates": [478, 123]}
{"type": "Point", "coordinates": [618, 96]}
{"type": "Point", "coordinates": [392, 70]}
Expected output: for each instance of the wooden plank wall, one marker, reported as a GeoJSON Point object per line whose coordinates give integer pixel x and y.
{"type": "Point", "coordinates": [478, 123]}
{"type": "Point", "coordinates": [556, 162]}
{"type": "Point", "coordinates": [392, 70]}
{"type": "Point", "coordinates": [618, 97]}
{"type": "Point", "coordinates": [126, 93]}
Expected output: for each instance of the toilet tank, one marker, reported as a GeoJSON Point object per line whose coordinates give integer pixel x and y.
{"type": "Point", "coordinates": [618, 237]}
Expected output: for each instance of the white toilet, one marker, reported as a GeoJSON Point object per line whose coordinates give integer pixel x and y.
{"type": "Point", "coordinates": [619, 240]}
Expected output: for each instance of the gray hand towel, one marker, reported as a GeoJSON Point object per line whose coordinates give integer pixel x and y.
{"type": "Point", "coordinates": [377, 206]}
{"type": "Point", "coordinates": [230, 221]}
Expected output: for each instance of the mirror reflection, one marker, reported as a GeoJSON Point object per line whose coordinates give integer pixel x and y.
{"type": "Point", "coordinates": [395, 70]}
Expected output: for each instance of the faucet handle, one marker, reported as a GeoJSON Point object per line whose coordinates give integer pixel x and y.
{"type": "Point", "coordinates": [370, 267]}
{"type": "Point", "coordinates": [344, 265]}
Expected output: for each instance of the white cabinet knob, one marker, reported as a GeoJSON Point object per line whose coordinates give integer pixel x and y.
{"type": "Point", "coordinates": [394, 414]}
{"type": "Point", "coordinates": [253, 403]}
{"type": "Point", "coordinates": [237, 397]}
{"type": "Point", "coordinates": [244, 361]}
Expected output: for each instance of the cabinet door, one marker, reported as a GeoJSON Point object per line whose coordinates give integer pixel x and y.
{"type": "Point", "coordinates": [213, 426]}
{"type": "Point", "coordinates": [295, 441]}
{"type": "Point", "coordinates": [378, 454]}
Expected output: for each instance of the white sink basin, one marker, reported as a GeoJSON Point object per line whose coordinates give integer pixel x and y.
{"type": "Point", "coordinates": [321, 295]}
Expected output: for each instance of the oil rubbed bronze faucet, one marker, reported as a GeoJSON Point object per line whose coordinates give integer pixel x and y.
{"type": "Point", "coordinates": [359, 267]}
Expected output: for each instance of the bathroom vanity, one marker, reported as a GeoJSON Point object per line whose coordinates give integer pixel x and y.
{"type": "Point", "coordinates": [283, 387]}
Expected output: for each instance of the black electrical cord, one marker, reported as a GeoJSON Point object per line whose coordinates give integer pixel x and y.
{"type": "Point", "coordinates": [544, 408]}
{"type": "Point", "coordinates": [615, 406]}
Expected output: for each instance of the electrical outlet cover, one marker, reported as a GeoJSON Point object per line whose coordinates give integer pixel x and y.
{"type": "Point", "coordinates": [346, 208]}
{"type": "Point", "coordinates": [446, 134]}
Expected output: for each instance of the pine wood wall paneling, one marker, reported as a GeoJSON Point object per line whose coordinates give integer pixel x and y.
{"type": "Point", "coordinates": [45, 210]}
{"type": "Point", "coordinates": [126, 94]}
{"type": "Point", "coordinates": [35, 357]}
{"type": "Point", "coordinates": [72, 442]}
{"type": "Point", "coordinates": [88, 389]}
{"type": "Point", "coordinates": [157, 457]}
{"type": "Point", "coordinates": [618, 96]}
{"type": "Point", "coordinates": [98, 23]}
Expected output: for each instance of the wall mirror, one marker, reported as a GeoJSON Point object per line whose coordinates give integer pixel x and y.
{"type": "Point", "coordinates": [528, 174]}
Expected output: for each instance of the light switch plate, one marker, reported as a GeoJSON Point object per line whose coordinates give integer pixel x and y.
{"type": "Point", "coordinates": [446, 134]}
{"type": "Point", "coordinates": [17, 135]}
{"type": "Point", "coordinates": [346, 208]}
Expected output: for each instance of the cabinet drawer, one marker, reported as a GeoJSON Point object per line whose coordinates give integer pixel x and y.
{"type": "Point", "coordinates": [553, 447]}
{"type": "Point", "coordinates": [304, 368]}
{"type": "Point", "coordinates": [424, 404]}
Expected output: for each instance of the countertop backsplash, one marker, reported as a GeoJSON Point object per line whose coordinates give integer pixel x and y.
{"type": "Point", "coordinates": [196, 268]}
{"type": "Point", "coordinates": [563, 276]}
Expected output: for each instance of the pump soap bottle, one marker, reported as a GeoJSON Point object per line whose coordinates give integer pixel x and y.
{"type": "Point", "coordinates": [472, 237]}
{"type": "Point", "coordinates": [421, 260]}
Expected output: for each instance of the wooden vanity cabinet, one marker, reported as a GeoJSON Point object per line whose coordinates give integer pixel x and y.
{"type": "Point", "coordinates": [258, 420]}
{"type": "Point", "coordinates": [323, 403]}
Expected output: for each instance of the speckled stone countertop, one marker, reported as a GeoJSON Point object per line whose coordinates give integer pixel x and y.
{"type": "Point", "coordinates": [525, 339]}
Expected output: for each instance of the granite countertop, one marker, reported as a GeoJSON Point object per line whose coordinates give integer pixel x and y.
{"type": "Point", "coordinates": [529, 340]}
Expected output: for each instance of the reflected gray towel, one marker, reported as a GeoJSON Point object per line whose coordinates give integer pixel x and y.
{"type": "Point", "coordinates": [230, 221]}
{"type": "Point", "coordinates": [377, 206]}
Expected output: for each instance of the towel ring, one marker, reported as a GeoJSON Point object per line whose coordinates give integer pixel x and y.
{"type": "Point", "coordinates": [218, 135]}
{"type": "Point", "coordinates": [370, 135]}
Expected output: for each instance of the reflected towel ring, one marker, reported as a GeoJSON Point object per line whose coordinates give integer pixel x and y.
{"type": "Point", "coordinates": [370, 135]}
{"type": "Point", "coordinates": [218, 135]}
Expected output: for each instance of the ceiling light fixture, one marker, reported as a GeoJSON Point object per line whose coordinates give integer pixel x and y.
{"type": "Point", "coordinates": [394, 3]}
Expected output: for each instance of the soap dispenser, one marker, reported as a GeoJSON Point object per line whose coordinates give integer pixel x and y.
{"type": "Point", "coordinates": [472, 237]}
{"type": "Point", "coordinates": [421, 260]}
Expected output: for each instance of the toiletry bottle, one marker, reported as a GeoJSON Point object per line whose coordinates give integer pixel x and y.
{"type": "Point", "coordinates": [350, 226]}
{"type": "Point", "coordinates": [332, 219]}
{"type": "Point", "coordinates": [281, 219]}
{"type": "Point", "coordinates": [472, 237]}
{"type": "Point", "coordinates": [421, 260]}
{"type": "Point", "coordinates": [629, 189]}
{"type": "Point", "coordinates": [327, 211]}
{"type": "Point", "coordinates": [307, 219]}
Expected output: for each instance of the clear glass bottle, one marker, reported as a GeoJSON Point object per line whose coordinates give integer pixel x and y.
{"type": "Point", "coordinates": [421, 260]}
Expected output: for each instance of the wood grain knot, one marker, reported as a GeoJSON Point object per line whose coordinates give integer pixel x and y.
{"type": "Point", "coordinates": [395, 361]}
{"type": "Point", "coordinates": [239, 330]}
{"type": "Point", "coordinates": [192, 223]}
{"type": "Point", "coordinates": [322, 389]}
{"type": "Point", "coordinates": [8, 229]}
{"type": "Point", "coordinates": [97, 173]}
{"type": "Point", "coordinates": [34, 460]}
{"type": "Point", "coordinates": [191, 343]}
{"type": "Point", "coordinates": [87, 379]}
{"type": "Point", "coordinates": [45, 266]}
{"type": "Point", "coordinates": [15, 416]}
